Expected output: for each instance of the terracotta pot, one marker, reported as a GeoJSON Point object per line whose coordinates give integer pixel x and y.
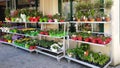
{"type": "Point", "coordinates": [78, 20]}
{"type": "Point", "coordinates": [98, 19]}
{"type": "Point", "coordinates": [107, 19]}
{"type": "Point", "coordinates": [91, 19]}
{"type": "Point", "coordinates": [83, 19]}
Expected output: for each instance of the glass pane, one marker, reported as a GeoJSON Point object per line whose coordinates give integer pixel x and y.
{"type": "Point", "coordinates": [84, 27]}
{"type": "Point", "coordinates": [66, 8]}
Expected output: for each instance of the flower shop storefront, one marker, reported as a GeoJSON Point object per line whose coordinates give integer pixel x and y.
{"type": "Point", "coordinates": [84, 31]}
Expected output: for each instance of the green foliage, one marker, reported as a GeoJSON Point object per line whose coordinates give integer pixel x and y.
{"type": "Point", "coordinates": [56, 16]}
{"type": "Point", "coordinates": [108, 4]}
{"type": "Point", "coordinates": [7, 12]}
{"type": "Point", "coordinates": [8, 36]}
{"type": "Point", "coordinates": [78, 14]}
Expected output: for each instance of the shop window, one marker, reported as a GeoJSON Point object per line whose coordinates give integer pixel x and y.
{"type": "Point", "coordinates": [68, 10]}
{"type": "Point", "coordinates": [27, 4]}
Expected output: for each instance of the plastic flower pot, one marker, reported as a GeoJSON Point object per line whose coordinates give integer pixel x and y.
{"type": "Point", "coordinates": [7, 19]}
{"type": "Point", "coordinates": [107, 19]}
{"type": "Point", "coordinates": [45, 19]}
{"type": "Point", "coordinates": [12, 19]}
{"type": "Point", "coordinates": [55, 20]}
{"type": "Point", "coordinates": [70, 54]}
{"type": "Point", "coordinates": [31, 47]}
{"type": "Point", "coordinates": [27, 46]}
{"type": "Point", "coordinates": [9, 41]}
{"type": "Point", "coordinates": [50, 20]}
{"type": "Point", "coordinates": [41, 20]}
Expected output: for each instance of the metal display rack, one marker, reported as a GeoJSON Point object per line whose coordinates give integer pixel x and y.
{"type": "Point", "coordinates": [58, 55]}
{"type": "Point", "coordinates": [21, 35]}
{"type": "Point", "coordinates": [93, 44]}
{"type": "Point", "coordinates": [62, 53]}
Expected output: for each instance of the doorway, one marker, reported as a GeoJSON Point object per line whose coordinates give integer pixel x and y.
{"type": "Point", "coordinates": [2, 10]}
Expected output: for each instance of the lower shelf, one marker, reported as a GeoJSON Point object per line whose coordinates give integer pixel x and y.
{"type": "Point", "coordinates": [6, 43]}
{"type": "Point", "coordinates": [38, 47]}
{"type": "Point", "coordinates": [17, 46]}
{"type": "Point", "coordinates": [25, 48]}
{"type": "Point", "coordinates": [86, 63]}
{"type": "Point", "coordinates": [58, 57]}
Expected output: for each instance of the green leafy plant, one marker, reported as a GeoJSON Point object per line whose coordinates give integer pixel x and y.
{"type": "Point", "coordinates": [108, 4]}
{"type": "Point", "coordinates": [56, 16]}
{"type": "Point", "coordinates": [55, 47]}
{"type": "Point", "coordinates": [92, 13]}
{"type": "Point", "coordinates": [7, 12]}
{"type": "Point", "coordinates": [78, 14]}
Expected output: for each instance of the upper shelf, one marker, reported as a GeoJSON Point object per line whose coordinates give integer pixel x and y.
{"type": "Point", "coordinates": [20, 34]}
{"type": "Point", "coordinates": [95, 44]}
{"type": "Point", "coordinates": [19, 22]}
{"type": "Point", "coordinates": [39, 22]}
{"type": "Point", "coordinates": [52, 22]}
{"type": "Point", "coordinates": [92, 22]}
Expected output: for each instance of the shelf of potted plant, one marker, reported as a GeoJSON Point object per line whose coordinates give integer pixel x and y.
{"type": "Point", "coordinates": [49, 50]}
{"type": "Point", "coordinates": [53, 51]}
{"type": "Point", "coordinates": [84, 55]}
{"type": "Point", "coordinates": [52, 22]}
{"type": "Point", "coordinates": [94, 44]}
{"type": "Point", "coordinates": [58, 57]}
{"type": "Point", "coordinates": [20, 22]}
{"type": "Point", "coordinates": [24, 48]}
{"type": "Point", "coordinates": [31, 32]}
{"type": "Point", "coordinates": [25, 44]}
{"type": "Point", "coordinates": [89, 13]}
{"type": "Point", "coordinates": [90, 38]}
{"type": "Point", "coordinates": [53, 33]}
{"type": "Point", "coordinates": [92, 22]}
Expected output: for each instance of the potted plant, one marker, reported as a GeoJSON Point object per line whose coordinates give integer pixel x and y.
{"type": "Point", "coordinates": [61, 19]}
{"type": "Point", "coordinates": [9, 38]}
{"type": "Point", "coordinates": [98, 16]}
{"type": "Point", "coordinates": [56, 17]}
{"type": "Point", "coordinates": [7, 15]}
{"type": "Point", "coordinates": [107, 18]}
{"type": "Point", "coordinates": [92, 13]}
{"type": "Point", "coordinates": [55, 47]}
{"type": "Point", "coordinates": [45, 18]}
{"type": "Point", "coordinates": [78, 15]}
{"type": "Point", "coordinates": [70, 52]}
{"type": "Point", "coordinates": [27, 45]}
{"type": "Point", "coordinates": [50, 18]}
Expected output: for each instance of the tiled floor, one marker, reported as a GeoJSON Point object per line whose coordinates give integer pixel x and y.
{"type": "Point", "coordinates": [11, 57]}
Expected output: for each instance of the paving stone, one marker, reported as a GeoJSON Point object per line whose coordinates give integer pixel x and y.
{"type": "Point", "coordinates": [11, 57]}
